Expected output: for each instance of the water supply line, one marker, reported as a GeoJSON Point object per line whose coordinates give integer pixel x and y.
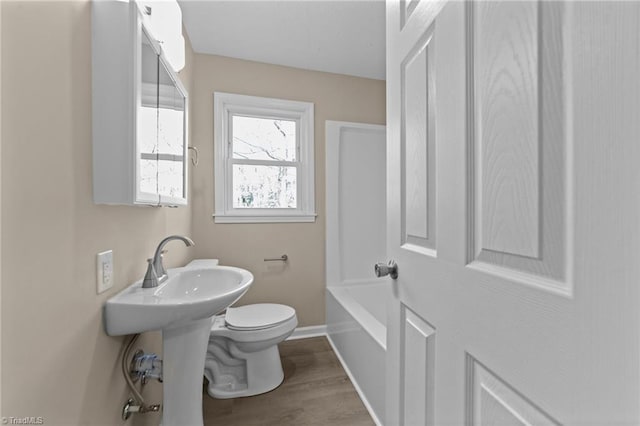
{"type": "Point", "coordinates": [130, 406]}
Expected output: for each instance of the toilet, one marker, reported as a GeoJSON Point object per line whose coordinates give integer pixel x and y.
{"type": "Point", "coordinates": [242, 356]}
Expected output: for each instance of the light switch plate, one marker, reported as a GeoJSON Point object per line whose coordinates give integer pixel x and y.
{"type": "Point", "coordinates": [104, 271]}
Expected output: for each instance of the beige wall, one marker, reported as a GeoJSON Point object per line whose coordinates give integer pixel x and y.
{"type": "Point", "coordinates": [299, 283]}
{"type": "Point", "coordinates": [57, 361]}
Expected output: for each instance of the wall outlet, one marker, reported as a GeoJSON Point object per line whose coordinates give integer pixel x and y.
{"type": "Point", "coordinates": [104, 271]}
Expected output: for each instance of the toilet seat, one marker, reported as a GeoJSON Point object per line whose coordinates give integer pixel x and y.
{"type": "Point", "coordinates": [259, 316]}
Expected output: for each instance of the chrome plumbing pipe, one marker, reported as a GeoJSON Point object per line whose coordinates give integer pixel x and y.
{"type": "Point", "coordinates": [129, 407]}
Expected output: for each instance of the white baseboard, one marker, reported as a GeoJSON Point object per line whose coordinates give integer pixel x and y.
{"type": "Point", "coordinates": [306, 332]}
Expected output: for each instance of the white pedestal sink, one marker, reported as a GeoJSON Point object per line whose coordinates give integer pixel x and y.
{"type": "Point", "coordinates": [182, 308]}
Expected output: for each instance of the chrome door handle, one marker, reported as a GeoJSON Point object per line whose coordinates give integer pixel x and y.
{"type": "Point", "coordinates": [391, 269]}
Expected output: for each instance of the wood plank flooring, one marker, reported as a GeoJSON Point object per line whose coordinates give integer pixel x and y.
{"type": "Point", "coordinates": [316, 392]}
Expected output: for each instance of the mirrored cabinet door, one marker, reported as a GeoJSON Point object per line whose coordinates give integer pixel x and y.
{"type": "Point", "coordinates": [139, 113]}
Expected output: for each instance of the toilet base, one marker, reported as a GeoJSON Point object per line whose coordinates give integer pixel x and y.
{"type": "Point", "coordinates": [263, 373]}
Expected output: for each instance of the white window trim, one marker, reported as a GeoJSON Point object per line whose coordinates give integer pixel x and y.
{"type": "Point", "coordinates": [225, 104]}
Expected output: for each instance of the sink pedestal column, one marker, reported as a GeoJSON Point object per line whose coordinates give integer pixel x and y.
{"type": "Point", "coordinates": [184, 352]}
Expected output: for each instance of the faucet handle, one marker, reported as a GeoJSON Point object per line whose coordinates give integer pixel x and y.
{"type": "Point", "coordinates": [150, 278]}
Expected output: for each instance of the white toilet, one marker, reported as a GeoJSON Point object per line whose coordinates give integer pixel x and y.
{"type": "Point", "coordinates": [242, 357]}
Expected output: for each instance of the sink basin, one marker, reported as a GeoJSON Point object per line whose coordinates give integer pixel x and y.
{"type": "Point", "coordinates": [190, 293]}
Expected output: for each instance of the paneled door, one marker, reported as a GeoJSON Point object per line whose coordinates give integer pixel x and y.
{"type": "Point", "coordinates": [513, 191]}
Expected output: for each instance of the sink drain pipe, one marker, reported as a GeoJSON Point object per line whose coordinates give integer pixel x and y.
{"type": "Point", "coordinates": [130, 406]}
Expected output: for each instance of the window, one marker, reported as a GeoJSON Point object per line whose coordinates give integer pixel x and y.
{"type": "Point", "coordinates": [263, 159]}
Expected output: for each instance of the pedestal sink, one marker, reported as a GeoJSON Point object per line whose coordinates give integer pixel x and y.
{"type": "Point", "coordinates": [182, 308]}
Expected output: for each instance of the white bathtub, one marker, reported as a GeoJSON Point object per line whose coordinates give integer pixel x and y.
{"type": "Point", "coordinates": [356, 240]}
{"type": "Point", "coordinates": [356, 317]}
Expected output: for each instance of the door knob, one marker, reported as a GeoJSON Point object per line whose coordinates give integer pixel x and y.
{"type": "Point", "coordinates": [391, 269]}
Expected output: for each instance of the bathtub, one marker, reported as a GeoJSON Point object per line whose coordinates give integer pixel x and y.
{"type": "Point", "coordinates": [356, 240]}
{"type": "Point", "coordinates": [356, 327]}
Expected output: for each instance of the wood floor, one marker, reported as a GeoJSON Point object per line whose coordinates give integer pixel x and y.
{"type": "Point", "coordinates": [316, 392]}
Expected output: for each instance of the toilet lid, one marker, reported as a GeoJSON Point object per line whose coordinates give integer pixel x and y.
{"type": "Point", "coordinates": [260, 315]}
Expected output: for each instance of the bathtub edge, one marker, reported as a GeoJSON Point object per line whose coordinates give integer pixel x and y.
{"type": "Point", "coordinates": [360, 392]}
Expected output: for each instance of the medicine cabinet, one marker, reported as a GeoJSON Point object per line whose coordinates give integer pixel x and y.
{"type": "Point", "coordinates": [139, 113]}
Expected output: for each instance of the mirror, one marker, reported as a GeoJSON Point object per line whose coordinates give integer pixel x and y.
{"type": "Point", "coordinates": [161, 127]}
{"type": "Point", "coordinates": [147, 129]}
{"type": "Point", "coordinates": [171, 135]}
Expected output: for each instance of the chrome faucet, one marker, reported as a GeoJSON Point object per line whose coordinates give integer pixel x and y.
{"type": "Point", "coordinates": [156, 274]}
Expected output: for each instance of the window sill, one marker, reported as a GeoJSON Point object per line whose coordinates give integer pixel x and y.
{"type": "Point", "coordinates": [297, 218]}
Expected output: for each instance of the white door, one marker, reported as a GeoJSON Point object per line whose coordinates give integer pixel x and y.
{"type": "Point", "coordinates": [513, 191]}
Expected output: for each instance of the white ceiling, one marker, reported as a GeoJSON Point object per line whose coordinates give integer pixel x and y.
{"type": "Point", "coordinates": [344, 37]}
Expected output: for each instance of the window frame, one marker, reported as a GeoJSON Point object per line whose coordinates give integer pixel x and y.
{"type": "Point", "coordinates": [227, 105]}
